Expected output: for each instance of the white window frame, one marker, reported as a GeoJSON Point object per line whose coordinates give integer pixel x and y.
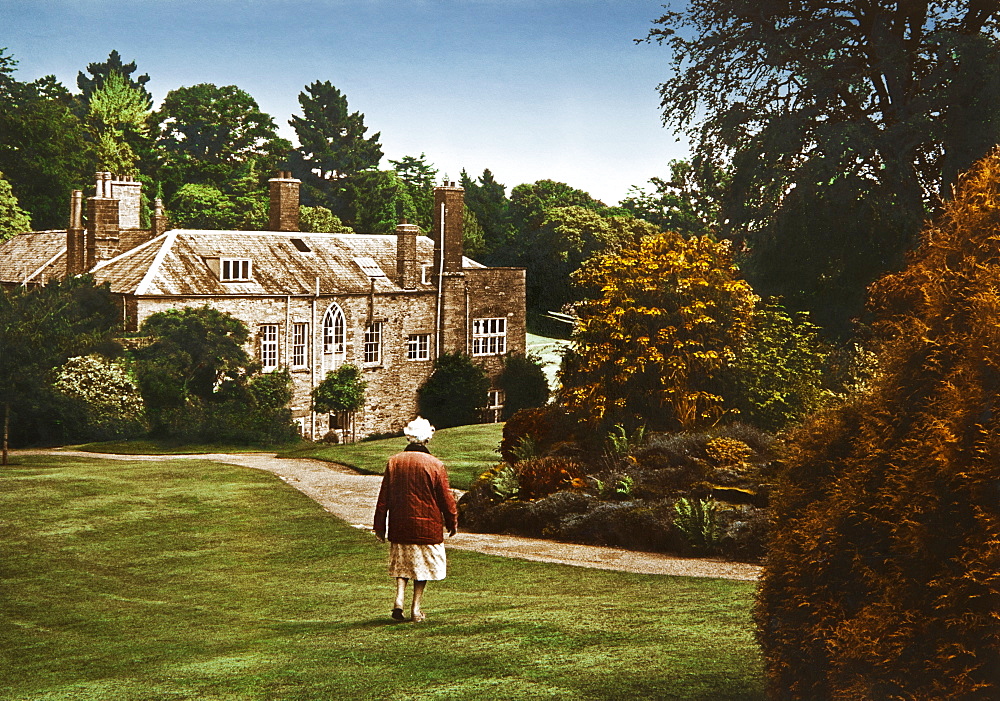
{"type": "Point", "coordinates": [300, 344]}
{"type": "Point", "coordinates": [372, 351]}
{"type": "Point", "coordinates": [418, 346]}
{"type": "Point", "coordinates": [334, 331]}
{"type": "Point", "coordinates": [235, 269]}
{"type": "Point", "coordinates": [489, 336]}
{"type": "Point", "coordinates": [494, 405]}
{"type": "Point", "coordinates": [268, 347]}
{"type": "Point", "coordinates": [424, 277]}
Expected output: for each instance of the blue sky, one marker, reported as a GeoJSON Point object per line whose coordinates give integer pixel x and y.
{"type": "Point", "coordinates": [529, 89]}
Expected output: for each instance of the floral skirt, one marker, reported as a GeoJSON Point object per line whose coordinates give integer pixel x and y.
{"type": "Point", "coordinates": [420, 562]}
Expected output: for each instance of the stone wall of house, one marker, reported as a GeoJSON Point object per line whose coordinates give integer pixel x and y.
{"type": "Point", "coordinates": [496, 293]}
{"type": "Point", "coordinates": [390, 398]}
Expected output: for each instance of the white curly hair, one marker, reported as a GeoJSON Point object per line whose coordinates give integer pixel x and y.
{"type": "Point", "coordinates": [419, 430]}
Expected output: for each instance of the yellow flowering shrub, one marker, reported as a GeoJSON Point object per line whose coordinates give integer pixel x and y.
{"type": "Point", "coordinates": [662, 322]}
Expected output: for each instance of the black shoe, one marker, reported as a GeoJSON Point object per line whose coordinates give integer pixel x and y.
{"type": "Point", "coordinates": [397, 615]}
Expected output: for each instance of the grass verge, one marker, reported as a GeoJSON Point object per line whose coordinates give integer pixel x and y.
{"type": "Point", "coordinates": [194, 580]}
{"type": "Point", "coordinates": [467, 451]}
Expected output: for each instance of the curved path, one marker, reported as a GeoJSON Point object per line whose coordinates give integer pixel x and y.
{"type": "Point", "coordinates": [351, 496]}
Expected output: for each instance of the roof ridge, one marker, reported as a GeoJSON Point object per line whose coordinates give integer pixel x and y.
{"type": "Point", "coordinates": [134, 249]}
{"type": "Point", "coordinates": [46, 264]}
{"type": "Point", "coordinates": [147, 279]}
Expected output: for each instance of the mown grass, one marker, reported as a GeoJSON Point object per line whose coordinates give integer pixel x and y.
{"type": "Point", "coordinates": [194, 580]}
{"type": "Point", "coordinates": [467, 452]}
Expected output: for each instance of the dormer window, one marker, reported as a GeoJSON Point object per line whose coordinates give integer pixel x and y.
{"type": "Point", "coordinates": [234, 269]}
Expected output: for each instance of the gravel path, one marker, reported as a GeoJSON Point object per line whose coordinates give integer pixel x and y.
{"type": "Point", "coordinates": [351, 496]}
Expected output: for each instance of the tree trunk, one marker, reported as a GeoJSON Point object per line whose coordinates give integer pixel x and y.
{"type": "Point", "coordinates": [6, 430]}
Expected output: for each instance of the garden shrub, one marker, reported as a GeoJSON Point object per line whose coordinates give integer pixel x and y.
{"type": "Point", "coordinates": [456, 392]}
{"type": "Point", "coordinates": [538, 518]}
{"type": "Point", "coordinates": [882, 579]}
{"type": "Point", "coordinates": [549, 428]}
{"type": "Point", "coordinates": [523, 382]}
{"type": "Point", "coordinates": [696, 520]}
{"type": "Point", "coordinates": [777, 375]}
{"type": "Point", "coordinates": [109, 397]}
{"type": "Point", "coordinates": [541, 477]}
{"type": "Point", "coordinates": [653, 337]}
{"type": "Point", "coordinates": [743, 532]}
{"type": "Point", "coordinates": [634, 525]}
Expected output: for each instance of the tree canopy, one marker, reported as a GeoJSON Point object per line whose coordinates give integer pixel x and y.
{"type": "Point", "coordinates": [40, 328]}
{"type": "Point", "coordinates": [213, 135]}
{"type": "Point", "coordinates": [664, 318]}
{"type": "Point", "coordinates": [332, 148]}
{"type": "Point", "coordinates": [844, 123]}
{"type": "Point", "coordinates": [44, 150]}
{"type": "Point", "coordinates": [100, 72]}
{"type": "Point", "coordinates": [13, 219]}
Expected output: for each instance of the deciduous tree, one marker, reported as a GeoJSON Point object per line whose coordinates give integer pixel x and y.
{"type": "Point", "coordinates": [43, 146]}
{"type": "Point", "coordinates": [662, 323]}
{"type": "Point", "coordinates": [40, 327]}
{"type": "Point", "coordinates": [688, 202]}
{"type": "Point", "coordinates": [456, 392]}
{"type": "Point", "coordinates": [213, 135]}
{"type": "Point", "coordinates": [563, 239]}
{"type": "Point", "coordinates": [844, 122]}
{"type": "Point", "coordinates": [13, 219]}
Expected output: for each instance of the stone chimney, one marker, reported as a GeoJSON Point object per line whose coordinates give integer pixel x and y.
{"type": "Point", "coordinates": [284, 210]}
{"type": "Point", "coordinates": [449, 212]}
{"type": "Point", "coordinates": [76, 249]}
{"type": "Point", "coordinates": [449, 277]}
{"type": "Point", "coordinates": [160, 223]}
{"type": "Point", "coordinates": [102, 223]}
{"type": "Point", "coordinates": [128, 192]}
{"type": "Point", "coordinates": [407, 268]}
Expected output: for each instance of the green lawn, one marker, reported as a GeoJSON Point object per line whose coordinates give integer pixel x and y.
{"type": "Point", "coordinates": [149, 446]}
{"type": "Point", "coordinates": [549, 351]}
{"type": "Point", "coordinates": [467, 451]}
{"type": "Point", "coordinates": [193, 580]}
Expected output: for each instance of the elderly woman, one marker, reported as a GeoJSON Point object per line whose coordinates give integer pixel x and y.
{"type": "Point", "coordinates": [418, 506]}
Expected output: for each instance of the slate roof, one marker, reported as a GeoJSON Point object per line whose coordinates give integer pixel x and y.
{"type": "Point", "coordinates": [178, 263]}
{"type": "Point", "coordinates": [36, 256]}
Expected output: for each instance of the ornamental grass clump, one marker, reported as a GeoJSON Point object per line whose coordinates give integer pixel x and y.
{"type": "Point", "coordinates": [883, 576]}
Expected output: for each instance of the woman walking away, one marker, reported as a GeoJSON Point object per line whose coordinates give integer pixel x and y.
{"type": "Point", "coordinates": [418, 505]}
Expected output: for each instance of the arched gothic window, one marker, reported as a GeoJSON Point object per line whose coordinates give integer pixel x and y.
{"type": "Point", "coordinates": [333, 331]}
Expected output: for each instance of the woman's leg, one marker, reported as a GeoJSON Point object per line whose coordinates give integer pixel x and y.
{"type": "Point", "coordinates": [418, 595]}
{"type": "Point", "coordinates": [400, 597]}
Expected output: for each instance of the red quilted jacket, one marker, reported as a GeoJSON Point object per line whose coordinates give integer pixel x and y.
{"type": "Point", "coordinates": [415, 500]}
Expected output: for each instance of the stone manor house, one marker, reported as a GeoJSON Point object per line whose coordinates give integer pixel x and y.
{"type": "Point", "coordinates": [387, 303]}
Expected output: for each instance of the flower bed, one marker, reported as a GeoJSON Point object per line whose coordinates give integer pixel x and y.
{"type": "Point", "coordinates": [684, 493]}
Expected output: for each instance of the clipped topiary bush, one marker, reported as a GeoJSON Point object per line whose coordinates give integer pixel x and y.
{"type": "Point", "coordinates": [883, 577]}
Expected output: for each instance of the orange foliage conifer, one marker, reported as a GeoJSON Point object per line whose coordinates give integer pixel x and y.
{"type": "Point", "coordinates": [883, 578]}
